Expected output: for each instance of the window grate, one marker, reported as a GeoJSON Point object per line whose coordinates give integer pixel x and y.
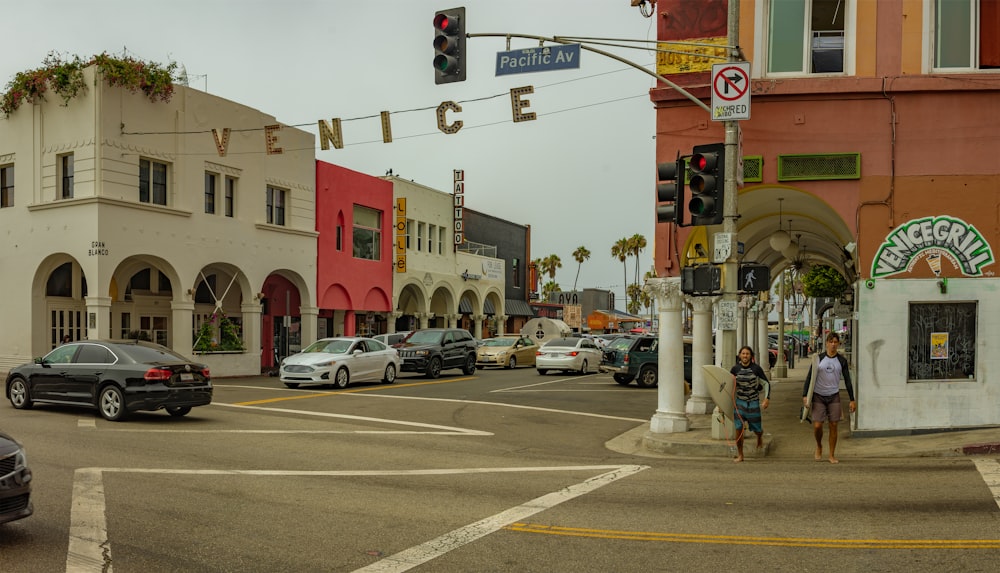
{"type": "Point", "coordinates": [822, 166]}
{"type": "Point", "coordinates": [753, 168]}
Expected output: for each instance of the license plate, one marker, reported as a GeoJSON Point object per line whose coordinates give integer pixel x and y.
{"type": "Point", "coordinates": [187, 376]}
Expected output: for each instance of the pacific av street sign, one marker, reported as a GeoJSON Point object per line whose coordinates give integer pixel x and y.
{"type": "Point", "coordinates": [540, 59]}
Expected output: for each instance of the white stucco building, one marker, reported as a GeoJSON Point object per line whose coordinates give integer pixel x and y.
{"type": "Point", "coordinates": [123, 216]}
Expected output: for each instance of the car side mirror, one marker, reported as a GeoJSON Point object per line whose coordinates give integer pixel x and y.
{"type": "Point", "coordinates": [357, 351]}
{"type": "Point", "coordinates": [38, 360]}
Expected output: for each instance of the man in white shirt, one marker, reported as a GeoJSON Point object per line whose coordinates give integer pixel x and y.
{"type": "Point", "coordinates": [824, 393]}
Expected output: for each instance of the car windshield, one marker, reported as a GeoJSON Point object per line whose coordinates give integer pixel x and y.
{"type": "Point", "coordinates": [498, 342]}
{"type": "Point", "coordinates": [152, 354]}
{"type": "Point", "coordinates": [620, 343]}
{"type": "Point", "coordinates": [425, 337]}
{"type": "Point", "coordinates": [329, 346]}
{"type": "Point", "coordinates": [563, 342]}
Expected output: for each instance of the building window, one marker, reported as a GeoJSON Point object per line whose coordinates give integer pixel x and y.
{"type": "Point", "coordinates": [7, 186]}
{"type": "Point", "coordinates": [211, 181]}
{"type": "Point", "coordinates": [964, 35]}
{"type": "Point", "coordinates": [367, 238]}
{"type": "Point", "coordinates": [515, 273]}
{"type": "Point", "coordinates": [409, 232]}
{"type": "Point", "coordinates": [275, 205]}
{"type": "Point", "coordinates": [440, 240]}
{"type": "Point", "coordinates": [942, 341]}
{"type": "Point", "coordinates": [421, 227]}
{"type": "Point", "coordinates": [805, 36]}
{"type": "Point", "coordinates": [340, 237]}
{"type": "Point", "coordinates": [430, 237]}
{"type": "Point", "coordinates": [152, 182]}
{"type": "Point", "coordinates": [230, 196]}
{"type": "Point", "coordinates": [65, 175]}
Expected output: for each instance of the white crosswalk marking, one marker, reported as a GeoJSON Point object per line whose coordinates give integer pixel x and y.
{"type": "Point", "coordinates": [990, 470]}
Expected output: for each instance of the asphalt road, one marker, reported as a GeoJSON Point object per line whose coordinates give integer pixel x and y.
{"type": "Point", "coordinates": [500, 471]}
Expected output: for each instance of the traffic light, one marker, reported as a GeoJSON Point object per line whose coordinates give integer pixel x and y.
{"type": "Point", "coordinates": [708, 168]}
{"type": "Point", "coordinates": [449, 46]}
{"type": "Point", "coordinates": [670, 189]}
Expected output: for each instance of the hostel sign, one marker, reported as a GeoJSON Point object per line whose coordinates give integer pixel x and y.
{"type": "Point", "coordinates": [933, 238]}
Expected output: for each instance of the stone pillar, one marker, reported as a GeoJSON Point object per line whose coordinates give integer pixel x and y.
{"type": "Point", "coordinates": [98, 318]}
{"type": "Point", "coordinates": [423, 318]}
{"type": "Point", "coordinates": [348, 326]}
{"type": "Point", "coordinates": [669, 416]}
{"type": "Point", "coordinates": [502, 324]}
{"type": "Point", "coordinates": [182, 326]}
{"type": "Point", "coordinates": [452, 320]}
{"type": "Point", "coordinates": [781, 367]}
{"type": "Point", "coordinates": [477, 326]}
{"type": "Point", "coordinates": [309, 315]}
{"type": "Point", "coordinates": [701, 353]}
{"type": "Point", "coordinates": [763, 309]}
{"type": "Point", "coordinates": [392, 318]}
{"type": "Point", "coordinates": [251, 327]}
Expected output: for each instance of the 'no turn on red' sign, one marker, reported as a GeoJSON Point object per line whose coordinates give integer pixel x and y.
{"type": "Point", "coordinates": [731, 91]}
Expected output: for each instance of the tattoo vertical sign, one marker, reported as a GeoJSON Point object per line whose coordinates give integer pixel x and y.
{"type": "Point", "coordinates": [459, 192]}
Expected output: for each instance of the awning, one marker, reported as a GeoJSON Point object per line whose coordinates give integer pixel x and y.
{"type": "Point", "coordinates": [465, 308]}
{"type": "Point", "coordinates": [514, 307]}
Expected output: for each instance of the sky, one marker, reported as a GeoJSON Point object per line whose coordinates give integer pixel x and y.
{"type": "Point", "coordinates": [581, 174]}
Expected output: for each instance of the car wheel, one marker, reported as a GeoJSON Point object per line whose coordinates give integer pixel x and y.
{"type": "Point", "coordinates": [178, 411]}
{"type": "Point", "coordinates": [470, 365]}
{"type": "Point", "coordinates": [111, 403]}
{"type": "Point", "coordinates": [291, 385]}
{"type": "Point", "coordinates": [647, 377]}
{"type": "Point", "coordinates": [542, 371]}
{"type": "Point", "coordinates": [19, 396]}
{"type": "Point", "coordinates": [390, 374]}
{"type": "Point", "coordinates": [434, 368]}
{"type": "Point", "coordinates": [583, 367]}
{"type": "Point", "coordinates": [623, 379]}
{"type": "Point", "coordinates": [342, 378]}
{"type": "Point", "coordinates": [512, 363]}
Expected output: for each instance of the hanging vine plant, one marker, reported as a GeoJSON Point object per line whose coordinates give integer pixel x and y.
{"type": "Point", "coordinates": [65, 77]}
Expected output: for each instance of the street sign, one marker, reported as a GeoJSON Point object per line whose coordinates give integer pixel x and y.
{"type": "Point", "coordinates": [722, 247]}
{"type": "Point", "coordinates": [541, 59]}
{"type": "Point", "coordinates": [725, 315]}
{"type": "Point", "coordinates": [731, 91]}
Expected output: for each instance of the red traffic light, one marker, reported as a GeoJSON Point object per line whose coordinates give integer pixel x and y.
{"type": "Point", "coordinates": [701, 162]}
{"type": "Point", "coordinates": [446, 23]}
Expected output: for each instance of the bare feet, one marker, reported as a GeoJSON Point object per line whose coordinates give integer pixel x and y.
{"type": "Point", "coordinates": [737, 459]}
{"type": "Point", "coordinates": [834, 460]}
{"type": "Point", "coordinates": [819, 455]}
{"type": "Point", "coordinates": [760, 442]}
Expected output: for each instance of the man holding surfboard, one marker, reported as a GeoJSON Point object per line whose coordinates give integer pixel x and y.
{"type": "Point", "coordinates": [749, 379]}
{"type": "Point", "coordinates": [822, 391]}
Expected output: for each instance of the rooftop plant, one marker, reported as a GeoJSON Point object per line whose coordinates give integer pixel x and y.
{"type": "Point", "coordinates": [65, 77]}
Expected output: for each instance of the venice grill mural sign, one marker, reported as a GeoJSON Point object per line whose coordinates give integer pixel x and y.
{"type": "Point", "coordinates": [933, 239]}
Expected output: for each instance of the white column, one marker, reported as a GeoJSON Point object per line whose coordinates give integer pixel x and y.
{"type": "Point", "coordinates": [182, 326]}
{"type": "Point", "coordinates": [477, 326]}
{"type": "Point", "coordinates": [252, 335]}
{"type": "Point", "coordinates": [98, 325]}
{"type": "Point", "coordinates": [701, 353]}
{"type": "Point", "coordinates": [309, 315]}
{"type": "Point", "coordinates": [669, 416]}
{"type": "Point", "coordinates": [392, 318]}
{"type": "Point", "coordinates": [764, 358]}
{"type": "Point", "coordinates": [423, 318]}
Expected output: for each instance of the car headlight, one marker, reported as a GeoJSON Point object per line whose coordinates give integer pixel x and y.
{"type": "Point", "coordinates": [20, 459]}
{"type": "Point", "coordinates": [420, 353]}
{"type": "Point", "coordinates": [327, 363]}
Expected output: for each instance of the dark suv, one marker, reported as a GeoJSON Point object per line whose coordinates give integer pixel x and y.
{"type": "Point", "coordinates": [435, 349]}
{"type": "Point", "coordinates": [636, 358]}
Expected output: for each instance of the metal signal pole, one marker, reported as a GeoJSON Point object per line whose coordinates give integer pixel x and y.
{"type": "Point", "coordinates": [730, 209]}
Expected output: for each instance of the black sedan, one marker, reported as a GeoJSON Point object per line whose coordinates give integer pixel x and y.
{"type": "Point", "coordinates": [116, 377]}
{"type": "Point", "coordinates": [15, 481]}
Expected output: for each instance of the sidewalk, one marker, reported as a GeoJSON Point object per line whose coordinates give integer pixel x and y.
{"type": "Point", "coordinates": [786, 437]}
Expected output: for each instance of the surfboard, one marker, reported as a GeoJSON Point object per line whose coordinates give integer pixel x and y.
{"type": "Point", "coordinates": [720, 382]}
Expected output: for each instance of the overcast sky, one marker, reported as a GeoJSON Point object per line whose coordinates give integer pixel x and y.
{"type": "Point", "coordinates": [581, 174]}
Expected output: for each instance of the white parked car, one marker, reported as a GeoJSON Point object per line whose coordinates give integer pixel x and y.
{"type": "Point", "coordinates": [340, 361]}
{"type": "Point", "coordinates": [568, 354]}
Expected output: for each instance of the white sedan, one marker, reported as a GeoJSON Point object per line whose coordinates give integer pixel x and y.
{"type": "Point", "coordinates": [568, 354]}
{"type": "Point", "coordinates": [340, 361]}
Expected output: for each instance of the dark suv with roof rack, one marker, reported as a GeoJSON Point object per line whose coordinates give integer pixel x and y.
{"type": "Point", "coordinates": [636, 357]}
{"type": "Point", "coordinates": [435, 349]}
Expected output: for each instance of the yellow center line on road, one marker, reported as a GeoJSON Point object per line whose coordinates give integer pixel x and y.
{"type": "Point", "coordinates": [760, 541]}
{"type": "Point", "coordinates": [348, 391]}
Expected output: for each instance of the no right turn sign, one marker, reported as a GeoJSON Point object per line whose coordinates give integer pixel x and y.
{"type": "Point", "coordinates": [731, 91]}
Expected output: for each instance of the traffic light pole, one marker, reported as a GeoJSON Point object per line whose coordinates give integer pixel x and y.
{"type": "Point", "coordinates": [730, 210]}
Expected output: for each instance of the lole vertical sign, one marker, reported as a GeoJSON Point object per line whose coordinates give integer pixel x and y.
{"type": "Point", "coordinates": [459, 191]}
{"type": "Point", "coordinates": [401, 235]}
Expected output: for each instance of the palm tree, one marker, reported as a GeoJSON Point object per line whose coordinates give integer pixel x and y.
{"type": "Point", "coordinates": [620, 250]}
{"type": "Point", "coordinates": [552, 263]}
{"type": "Point", "coordinates": [549, 288]}
{"type": "Point", "coordinates": [637, 244]}
{"type": "Point", "coordinates": [580, 254]}
{"type": "Point", "coordinates": [538, 275]}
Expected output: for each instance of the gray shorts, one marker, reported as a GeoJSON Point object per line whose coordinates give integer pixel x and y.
{"type": "Point", "coordinates": [826, 408]}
